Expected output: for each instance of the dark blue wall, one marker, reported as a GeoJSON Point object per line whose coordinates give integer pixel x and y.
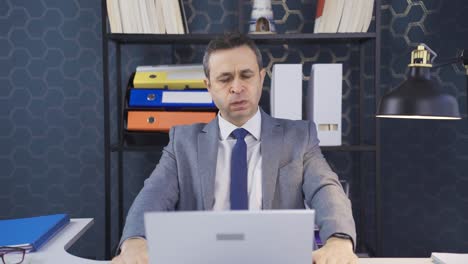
{"type": "Point", "coordinates": [51, 115]}
{"type": "Point", "coordinates": [424, 163]}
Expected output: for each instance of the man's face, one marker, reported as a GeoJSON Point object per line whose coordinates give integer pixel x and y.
{"type": "Point", "coordinates": [235, 83]}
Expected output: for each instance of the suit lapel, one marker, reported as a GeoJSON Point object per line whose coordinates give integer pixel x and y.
{"type": "Point", "coordinates": [271, 145]}
{"type": "Point", "coordinates": [207, 157]}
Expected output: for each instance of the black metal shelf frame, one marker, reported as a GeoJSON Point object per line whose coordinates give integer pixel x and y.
{"type": "Point", "coordinates": [199, 38]}
{"type": "Point", "coordinates": [307, 38]}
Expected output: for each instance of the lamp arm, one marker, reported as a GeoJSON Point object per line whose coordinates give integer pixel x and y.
{"type": "Point", "coordinates": [463, 57]}
{"type": "Point", "coordinates": [447, 62]}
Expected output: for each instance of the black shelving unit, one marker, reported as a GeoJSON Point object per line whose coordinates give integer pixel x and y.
{"type": "Point", "coordinates": [199, 38]}
{"type": "Point", "coordinates": [122, 40]}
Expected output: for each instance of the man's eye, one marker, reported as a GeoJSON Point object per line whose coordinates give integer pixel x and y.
{"type": "Point", "coordinates": [246, 76]}
{"type": "Point", "coordinates": [224, 80]}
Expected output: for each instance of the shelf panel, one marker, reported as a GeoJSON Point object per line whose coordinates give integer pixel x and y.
{"type": "Point", "coordinates": [202, 38]}
{"type": "Point", "coordinates": [349, 148]}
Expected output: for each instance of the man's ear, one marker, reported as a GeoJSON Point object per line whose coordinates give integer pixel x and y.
{"type": "Point", "coordinates": [262, 76]}
{"type": "Point", "coordinates": [207, 83]}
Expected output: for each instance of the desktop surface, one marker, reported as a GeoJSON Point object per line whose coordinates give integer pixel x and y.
{"type": "Point", "coordinates": [54, 251]}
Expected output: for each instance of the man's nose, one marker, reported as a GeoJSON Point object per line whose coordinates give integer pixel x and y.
{"type": "Point", "coordinates": [237, 86]}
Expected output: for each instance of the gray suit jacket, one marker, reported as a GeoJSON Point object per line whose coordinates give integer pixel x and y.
{"type": "Point", "coordinates": [293, 167]}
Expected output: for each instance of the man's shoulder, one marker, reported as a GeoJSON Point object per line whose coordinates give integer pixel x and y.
{"type": "Point", "coordinates": [293, 124]}
{"type": "Point", "coordinates": [184, 139]}
{"type": "Point", "coordinates": [296, 130]}
{"type": "Point", "coordinates": [187, 130]}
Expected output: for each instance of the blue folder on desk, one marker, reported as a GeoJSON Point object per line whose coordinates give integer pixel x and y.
{"type": "Point", "coordinates": [171, 99]}
{"type": "Point", "coordinates": [31, 233]}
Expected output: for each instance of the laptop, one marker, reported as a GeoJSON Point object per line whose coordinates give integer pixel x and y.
{"type": "Point", "coordinates": [230, 237]}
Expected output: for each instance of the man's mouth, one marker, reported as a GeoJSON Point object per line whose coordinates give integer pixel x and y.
{"type": "Point", "coordinates": [239, 105]}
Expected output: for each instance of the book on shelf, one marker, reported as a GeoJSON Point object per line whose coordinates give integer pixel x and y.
{"type": "Point", "coordinates": [169, 16]}
{"type": "Point", "coordinates": [349, 11]}
{"type": "Point", "coordinates": [358, 12]}
{"type": "Point", "coordinates": [128, 22]}
{"type": "Point", "coordinates": [147, 16]}
{"type": "Point", "coordinates": [179, 24]}
{"type": "Point", "coordinates": [367, 18]}
{"type": "Point", "coordinates": [332, 12]}
{"type": "Point", "coordinates": [113, 13]}
{"type": "Point", "coordinates": [184, 17]}
{"type": "Point", "coordinates": [319, 16]}
{"type": "Point", "coordinates": [144, 16]}
{"type": "Point", "coordinates": [343, 16]}
{"type": "Point", "coordinates": [160, 27]}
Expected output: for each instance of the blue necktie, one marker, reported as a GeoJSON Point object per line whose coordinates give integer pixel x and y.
{"type": "Point", "coordinates": [239, 196]}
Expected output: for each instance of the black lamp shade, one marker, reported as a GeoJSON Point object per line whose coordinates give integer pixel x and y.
{"type": "Point", "coordinates": [419, 97]}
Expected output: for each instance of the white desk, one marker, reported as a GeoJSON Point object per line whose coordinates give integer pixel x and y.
{"type": "Point", "coordinates": [54, 251]}
{"type": "Point", "coordinates": [395, 261]}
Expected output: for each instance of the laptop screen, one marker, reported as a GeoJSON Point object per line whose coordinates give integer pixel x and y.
{"type": "Point", "coordinates": [274, 237]}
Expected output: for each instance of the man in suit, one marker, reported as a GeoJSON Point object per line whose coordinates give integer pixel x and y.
{"type": "Point", "coordinates": [243, 159]}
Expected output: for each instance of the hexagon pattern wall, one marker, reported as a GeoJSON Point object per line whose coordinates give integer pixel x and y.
{"type": "Point", "coordinates": [424, 162]}
{"type": "Point", "coordinates": [51, 115]}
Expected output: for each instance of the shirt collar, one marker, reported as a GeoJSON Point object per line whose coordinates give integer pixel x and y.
{"type": "Point", "coordinates": [253, 126]}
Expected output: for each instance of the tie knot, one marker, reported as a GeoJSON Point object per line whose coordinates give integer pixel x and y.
{"type": "Point", "coordinates": [240, 133]}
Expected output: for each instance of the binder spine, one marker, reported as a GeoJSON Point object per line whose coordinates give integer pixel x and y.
{"type": "Point", "coordinates": [163, 121]}
{"type": "Point", "coordinates": [154, 98]}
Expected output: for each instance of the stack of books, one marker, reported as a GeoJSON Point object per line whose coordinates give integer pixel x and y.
{"type": "Point", "coordinates": [167, 95]}
{"type": "Point", "coordinates": [147, 16]}
{"type": "Point", "coordinates": [342, 16]}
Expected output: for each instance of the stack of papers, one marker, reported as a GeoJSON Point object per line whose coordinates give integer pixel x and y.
{"type": "Point", "coordinates": [31, 233]}
{"type": "Point", "coordinates": [449, 258]}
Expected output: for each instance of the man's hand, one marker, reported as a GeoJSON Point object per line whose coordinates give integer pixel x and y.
{"type": "Point", "coordinates": [134, 251]}
{"type": "Point", "coordinates": [335, 251]}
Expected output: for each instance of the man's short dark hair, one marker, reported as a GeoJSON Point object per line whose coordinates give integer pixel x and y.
{"type": "Point", "coordinates": [229, 41]}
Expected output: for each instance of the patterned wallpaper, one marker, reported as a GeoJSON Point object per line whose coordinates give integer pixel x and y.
{"type": "Point", "coordinates": [51, 115]}
{"type": "Point", "coordinates": [424, 163]}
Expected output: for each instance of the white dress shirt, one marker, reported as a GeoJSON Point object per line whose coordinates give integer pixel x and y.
{"type": "Point", "coordinates": [254, 163]}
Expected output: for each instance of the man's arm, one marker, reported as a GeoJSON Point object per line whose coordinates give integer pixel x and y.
{"type": "Point", "coordinates": [324, 193]}
{"type": "Point", "coordinates": [159, 193]}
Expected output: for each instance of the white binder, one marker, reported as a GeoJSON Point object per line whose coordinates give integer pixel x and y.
{"type": "Point", "coordinates": [324, 102]}
{"type": "Point", "coordinates": [286, 91]}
